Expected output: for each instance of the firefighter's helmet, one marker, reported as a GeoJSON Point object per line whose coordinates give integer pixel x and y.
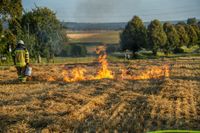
{"type": "Point", "coordinates": [21, 42]}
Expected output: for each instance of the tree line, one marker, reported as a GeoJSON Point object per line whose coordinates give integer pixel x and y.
{"type": "Point", "coordinates": [167, 37]}
{"type": "Point", "coordinates": [39, 28]}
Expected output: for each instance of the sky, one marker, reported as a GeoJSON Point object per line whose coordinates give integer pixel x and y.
{"type": "Point", "coordinates": [118, 10]}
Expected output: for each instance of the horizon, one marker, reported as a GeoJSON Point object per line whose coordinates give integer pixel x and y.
{"type": "Point", "coordinates": [185, 20]}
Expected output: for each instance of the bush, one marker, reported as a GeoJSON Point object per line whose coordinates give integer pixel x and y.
{"type": "Point", "coordinates": [66, 51]}
{"type": "Point", "coordinates": [178, 50]}
{"type": "Point", "coordinates": [78, 50]}
{"type": "Point", "coordinates": [74, 50]}
{"type": "Point", "coordinates": [112, 48]}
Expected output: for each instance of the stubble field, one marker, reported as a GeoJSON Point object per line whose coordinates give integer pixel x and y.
{"type": "Point", "coordinates": [48, 104]}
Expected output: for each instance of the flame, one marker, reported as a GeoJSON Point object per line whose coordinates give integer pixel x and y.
{"type": "Point", "coordinates": [50, 79]}
{"type": "Point", "coordinates": [103, 72]}
{"type": "Point", "coordinates": [154, 72]}
{"type": "Point", "coordinates": [167, 70]}
{"type": "Point", "coordinates": [81, 74]}
{"type": "Point", "coordinates": [124, 74]}
{"type": "Point", "coordinates": [76, 74]}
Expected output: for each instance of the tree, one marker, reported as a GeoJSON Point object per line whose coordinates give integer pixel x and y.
{"type": "Point", "coordinates": [78, 50]}
{"type": "Point", "coordinates": [15, 27]}
{"type": "Point", "coordinates": [1, 28]}
{"type": "Point", "coordinates": [191, 21]}
{"type": "Point", "coordinates": [181, 23]}
{"type": "Point", "coordinates": [172, 38]}
{"type": "Point", "coordinates": [9, 39]}
{"type": "Point", "coordinates": [10, 12]}
{"type": "Point", "coordinates": [195, 25]}
{"type": "Point", "coordinates": [183, 36]}
{"type": "Point", "coordinates": [156, 36]}
{"type": "Point", "coordinates": [111, 48]}
{"type": "Point", "coordinates": [1, 38]}
{"type": "Point", "coordinates": [192, 35]}
{"type": "Point", "coordinates": [11, 9]}
{"type": "Point", "coordinates": [134, 36]}
{"type": "Point", "coordinates": [83, 51]}
{"type": "Point", "coordinates": [44, 25]}
{"type": "Point", "coordinates": [66, 51]}
{"type": "Point", "coordinates": [197, 30]}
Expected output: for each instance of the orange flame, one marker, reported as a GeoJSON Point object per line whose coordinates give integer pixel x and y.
{"type": "Point", "coordinates": [77, 74]}
{"type": "Point", "coordinates": [153, 72]}
{"type": "Point", "coordinates": [166, 70]}
{"type": "Point", "coordinates": [80, 74]}
{"type": "Point", "coordinates": [103, 72]}
{"type": "Point", "coordinates": [50, 79]}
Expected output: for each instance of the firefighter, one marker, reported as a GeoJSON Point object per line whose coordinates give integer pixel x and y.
{"type": "Point", "coordinates": [21, 60]}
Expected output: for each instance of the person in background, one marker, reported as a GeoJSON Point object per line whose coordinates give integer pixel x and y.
{"type": "Point", "coordinates": [21, 60]}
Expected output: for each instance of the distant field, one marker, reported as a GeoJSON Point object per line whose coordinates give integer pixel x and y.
{"type": "Point", "coordinates": [107, 37]}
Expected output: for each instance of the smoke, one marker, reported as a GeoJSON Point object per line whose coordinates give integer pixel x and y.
{"type": "Point", "coordinates": [105, 10]}
{"type": "Point", "coordinates": [96, 10]}
{"type": "Point", "coordinates": [124, 10]}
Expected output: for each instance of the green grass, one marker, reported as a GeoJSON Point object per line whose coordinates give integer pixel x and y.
{"type": "Point", "coordinates": [190, 50]}
{"type": "Point", "coordinates": [69, 60]}
{"type": "Point", "coordinates": [57, 60]}
{"type": "Point", "coordinates": [115, 59]}
{"type": "Point", "coordinates": [118, 57]}
{"type": "Point", "coordinates": [7, 63]}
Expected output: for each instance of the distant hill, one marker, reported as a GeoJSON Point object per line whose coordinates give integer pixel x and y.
{"type": "Point", "coordinates": [102, 26]}
{"type": "Point", "coordinates": [94, 26]}
{"type": "Point", "coordinates": [98, 26]}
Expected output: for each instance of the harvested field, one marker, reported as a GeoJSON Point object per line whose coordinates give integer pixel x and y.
{"type": "Point", "coordinates": [107, 37]}
{"type": "Point", "coordinates": [46, 103]}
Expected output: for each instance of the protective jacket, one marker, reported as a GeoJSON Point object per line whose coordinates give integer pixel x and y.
{"type": "Point", "coordinates": [20, 56]}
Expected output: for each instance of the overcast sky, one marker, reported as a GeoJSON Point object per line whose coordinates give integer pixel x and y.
{"type": "Point", "coordinates": [119, 10]}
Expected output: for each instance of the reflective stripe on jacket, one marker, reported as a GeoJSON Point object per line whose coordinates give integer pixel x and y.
{"type": "Point", "coordinates": [21, 57]}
